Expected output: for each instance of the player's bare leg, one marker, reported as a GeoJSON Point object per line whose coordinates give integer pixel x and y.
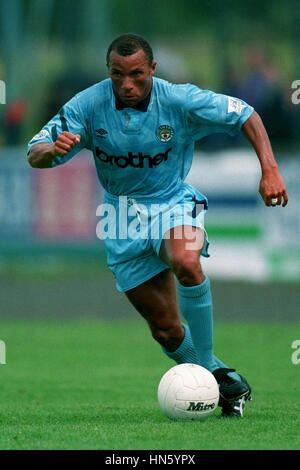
{"type": "Point", "coordinates": [155, 300]}
{"type": "Point", "coordinates": [181, 250]}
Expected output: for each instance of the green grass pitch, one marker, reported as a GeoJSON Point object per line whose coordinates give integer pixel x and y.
{"type": "Point", "coordinates": [92, 384]}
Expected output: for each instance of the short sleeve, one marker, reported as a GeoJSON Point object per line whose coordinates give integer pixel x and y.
{"type": "Point", "coordinates": [209, 112]}
{"type": "Point", "coordinates": [69, 118]}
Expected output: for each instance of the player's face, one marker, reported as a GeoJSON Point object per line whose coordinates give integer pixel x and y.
{"type": "Point", "coordinates": [131, 76]}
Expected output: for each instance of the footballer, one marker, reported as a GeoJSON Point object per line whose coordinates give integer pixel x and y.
{"type": "Point", "coordinates": [141, 130]}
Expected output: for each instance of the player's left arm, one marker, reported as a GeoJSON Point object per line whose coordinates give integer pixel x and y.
{"type": "Point", "coordinates": [271, 184]}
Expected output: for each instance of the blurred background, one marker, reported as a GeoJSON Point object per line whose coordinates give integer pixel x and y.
{"type": "Point", "coordinates": [51, 262]}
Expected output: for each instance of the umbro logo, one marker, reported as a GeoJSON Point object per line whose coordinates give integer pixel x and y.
{"type": "Point", "coordinates": [101, 133]}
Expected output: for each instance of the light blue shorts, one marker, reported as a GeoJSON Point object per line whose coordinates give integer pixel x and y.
{"type": "Point", "coordinates": [133, 230]}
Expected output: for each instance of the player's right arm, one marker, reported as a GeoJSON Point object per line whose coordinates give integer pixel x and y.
{"type": "Point", "coordinates": [62, 137]}
{"type": "Point", "coordinates": [41, 155]}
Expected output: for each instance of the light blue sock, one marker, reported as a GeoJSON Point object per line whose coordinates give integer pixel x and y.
{"type": "Point", "coordinates": [186, 353]}
{"type": "Point", "coordinates": [196, 306]}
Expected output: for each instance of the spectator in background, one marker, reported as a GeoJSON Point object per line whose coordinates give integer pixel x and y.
{"type": "Point", "coordinates": [261, 87]}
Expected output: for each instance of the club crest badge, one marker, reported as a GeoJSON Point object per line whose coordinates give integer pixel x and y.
{"type": "Point", "coordinates": [165, 133]}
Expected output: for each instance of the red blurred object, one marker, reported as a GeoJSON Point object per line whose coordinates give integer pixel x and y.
{"type": "Point", "coordinates": [15, 112]}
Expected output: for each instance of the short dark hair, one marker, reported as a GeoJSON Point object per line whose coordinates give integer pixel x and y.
{"type": "Point", "coordinates": [128, 44]}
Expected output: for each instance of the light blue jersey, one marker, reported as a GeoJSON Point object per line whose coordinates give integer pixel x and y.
{"type": "Point", "coordinates": [144, 154]}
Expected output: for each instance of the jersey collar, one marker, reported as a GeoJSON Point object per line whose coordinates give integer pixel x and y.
{"type": "Point", "coordinates": [141, 106]}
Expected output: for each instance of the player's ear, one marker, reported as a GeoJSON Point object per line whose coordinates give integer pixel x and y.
{"type": "Point", "coordinates": [153, 67]}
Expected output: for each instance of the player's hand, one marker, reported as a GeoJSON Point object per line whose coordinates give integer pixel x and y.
{"type": "Point", "coordinates": [65, 142]}
{"type": "Point", "coordinates": [272, 187]}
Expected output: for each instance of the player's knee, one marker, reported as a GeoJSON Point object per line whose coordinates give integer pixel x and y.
{"type": "Point", "coordinates": [170, 336]}
{"type": "Point", "coordinates": [187, 268]}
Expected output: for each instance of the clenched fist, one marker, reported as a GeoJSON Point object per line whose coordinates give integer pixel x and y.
{"type": "Point", "coordinates": [272, 187]}
{"type": "Point", "coordinates": [65, 142]}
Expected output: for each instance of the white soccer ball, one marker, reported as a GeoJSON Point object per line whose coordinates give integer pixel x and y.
{"type": "Point", "coordinates": [188, 392]}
